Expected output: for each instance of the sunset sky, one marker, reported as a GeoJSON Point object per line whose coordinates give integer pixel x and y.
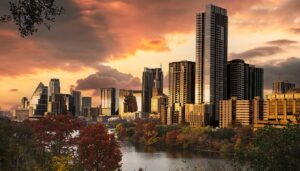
{"type": "Point", "coordinates": [107, 43]}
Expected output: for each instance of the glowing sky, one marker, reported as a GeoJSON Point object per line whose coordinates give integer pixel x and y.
{"type": "Point", "coordinates": [107, 43]}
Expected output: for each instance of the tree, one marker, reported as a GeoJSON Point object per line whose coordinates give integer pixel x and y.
{"type": "Point", "coordinates": [150, 133]}
{"type": "Point", "coordinates": [171, 137]}
{"type": "Point", "coordinates": [98, 150]}
{"type": "Point", "coordinates": [57, 133]}
{"type": "Point", "coordinates": [19, 149]}
{"type": "Point", "coordinates": [28, 14]}
{"type": "Point", "coordinates": [121, 131]}
{"type": "Point", "coordinates": [272, 149]}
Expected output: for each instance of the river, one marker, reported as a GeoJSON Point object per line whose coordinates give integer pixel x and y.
{"type": "Point", "coordinates": [152, 159]}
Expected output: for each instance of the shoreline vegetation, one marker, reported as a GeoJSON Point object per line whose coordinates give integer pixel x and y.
{"type": "Point", "coordinates": [50, 144]}
{"type": "Point", "coordinates": [267, 148]}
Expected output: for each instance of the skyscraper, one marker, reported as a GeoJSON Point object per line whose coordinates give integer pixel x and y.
{"type": "Point", "coordinates": [256, 83]}
{"type": "Point", "coordinates": [24, 103]}
{"type": "Point", "coordinates": [38, 101]}
{"type": "Point", "coordinates": [282, 86]}
{"type": "Point", "coordinates": [54, 87]}
{"type": "Point", "coordinates": [244, 81]}
{"type": "Point", "coordinates": [152, 86]}
{"type": "Point", "coordinates": [109, 101]}
{"type": "Point", "coordinates": [181, 89]}
{"type": "Point", "coordinates": [211, 58]}
{"type": "Point", "coordinates": [76, 102]}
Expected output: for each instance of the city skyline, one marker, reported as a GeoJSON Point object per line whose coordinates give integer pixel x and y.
{"type": "Point", "coordinates": [165, 44]}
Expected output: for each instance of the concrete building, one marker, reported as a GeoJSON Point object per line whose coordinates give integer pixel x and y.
{"type": "Point", "coordinates": [195, 114]}
{"type": "Point", "coordinates": [282, 86]}
{"type": "Point", "coordinates": [281, 109]}
{"type": "Point", "coordinates": [211, 58]}
{"type": "Point", "coordinates": [20, 115]}
{"type": "Point", "coordinates": [181, 89]}
{"type": "Point", "coordinates": [109, 101]}
{"type": "Point", "coordinates": [152, 85]}
{"type": "Point", "coordinates": [38, 101]}
{"type": "Point", "coordinates": [76, 102]}
{"type": "Point", "coordinates": [238, 112]}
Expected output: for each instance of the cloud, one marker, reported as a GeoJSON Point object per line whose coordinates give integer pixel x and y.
{"type": "Point", "coordinates": [295, 30]}
{"type": "Point", "coordinates": [100, 31]}
{"type": "Point", "coordinates": [282, 42]}
{"type": "Point", "coordinates": [257, 52]}
{"type": "Point", "coordinates": [285, 70]}
{"type": "Point", "coordinates": [107, 77]}
{"type": "Point", "coordinates": [13, 90]}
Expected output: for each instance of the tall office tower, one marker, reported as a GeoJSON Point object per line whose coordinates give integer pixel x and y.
{"type": "Point", "coordinates": [54, 87]}
{"type": "Point", "coordinates": [109, 101]}
{"type": "Point", "coordinates": [76, 102]}
{"type": "Point", "coordinates": [152, 85]}
{"type": "Point", "coordinates": [130, 103]}
{"type": "Point", "coordinates": [211, 58]}
{"type": "Point", "coordinates": [86, 104]}
{"type": "Point", "coordinates": [238, 79]}
{"type": "Point", "coordinates": [245, 81]}
{"type": "Point", "coordinates": [282, 86]}
{"type": "Point", "coordinates": [256, 82]}
{"type": "Point", "coordinates": [181, 89]}
{"type": "Point", "coordinates": [60, 104]}
{"type": "Point", "coordinates": [38, 101]}
{"type": "Point", "coordinates": [24, 103]}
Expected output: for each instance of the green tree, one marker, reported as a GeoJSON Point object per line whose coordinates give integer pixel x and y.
{"type": "Point", "coordinates": [273, 149]}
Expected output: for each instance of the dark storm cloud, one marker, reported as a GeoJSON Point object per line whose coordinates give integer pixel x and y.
{"type": "Point", "coordinates": [257, 52]}
{"type": "Point", "coordinates": [285, 70]}
{"type": "Point", "coordinates": [13, 90]}
{"type": "Point", "coordinates": [107, 77]}
{"type": "Point", "coordinates": [282, 42]}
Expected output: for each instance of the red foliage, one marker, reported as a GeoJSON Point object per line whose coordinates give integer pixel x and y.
{"type": "Point", "coordinates": [171, 137]}
{"type": "Point", "coordinates": [149, 131]}
{"type": "Point", "coordinates": [56, 133]}
{"type": "Point", "coordinates": [97, 149]}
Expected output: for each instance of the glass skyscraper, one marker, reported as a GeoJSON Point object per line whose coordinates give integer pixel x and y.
{"type": "Point", "coordinates": [211, 58]}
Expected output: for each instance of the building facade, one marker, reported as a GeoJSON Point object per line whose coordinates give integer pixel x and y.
{"type": "Point", "coordinates": [244, 81]}
{"type": "Point", "coordinates": [54, 87]}
{"type": "Point", "coordinates": [109, 101]}
{"type": "Point", "coordinates": [76, 102]}
{"type": "Point", "coordinates": [39, 99]}
{"type": "Point", "coordinates": [211, 58]}
{"type": "Point", "coordinates": [181, 89]}
{"type": "Point", "coordinates": [152, 85]}
{"type": "Point", "coordinates": [282, 86]}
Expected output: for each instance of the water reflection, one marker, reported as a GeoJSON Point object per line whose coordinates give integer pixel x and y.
{"type": "Point", "coordinates": [155, 159]}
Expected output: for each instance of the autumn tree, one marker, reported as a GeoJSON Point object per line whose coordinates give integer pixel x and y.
{"type": "Point", "coordinates": [150, 133]}
{"type": "Point", "coordinates": [98, 150]}
{"type": "Point", "coordinates": [171, 137]}
{"type": "Point", "coordinates": [57, 133]}
{"type": "Point", "coordinates": [29, 14]}
{"type": "Point", "coordinates": [121, 131]}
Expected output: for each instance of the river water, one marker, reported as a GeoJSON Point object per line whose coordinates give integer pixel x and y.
{"type": "Point", "coordinates": [152, 159]}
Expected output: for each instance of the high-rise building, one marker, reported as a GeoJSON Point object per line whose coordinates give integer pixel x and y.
{"type": "Point", "coordinates": [24, 103]}
{"type": "Point", "coordinates": [54, 87]}
{"type": "Point", "coordinates": [76, 102]}
{"type": "Point", "coordinates": [38, 101]}
{"type": "Point", "coordinates": [244, 81]}
{"type": "Point", "coordinates": [256, 83]}
{"type": "Point", "coordinates": [109, 101]}
{"type": "Point", "coordinates": [86, 104]}
{"type": "Point", "coordinates": [60, 104]}
{"type": "Point", "coordinates": [211, 58]}
{"type": "Point", "coordinates": [282, 86]}
{"type": "Point", "coordinates": [156, 102]}
{"type": "Point", "coordinates": [152, 85]}
{"type": "Point", "coordinates": [181, 89]}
